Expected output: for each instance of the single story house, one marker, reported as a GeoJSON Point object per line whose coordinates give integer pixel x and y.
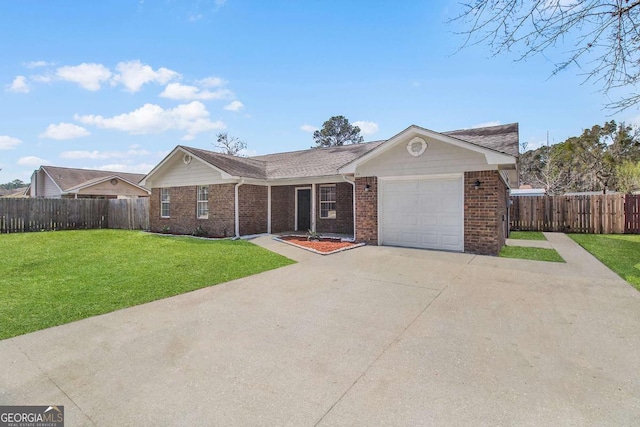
{"type": "Point", "coordinates": [57, 182]}
{"type": "Point", "coordinates": [419, 189]}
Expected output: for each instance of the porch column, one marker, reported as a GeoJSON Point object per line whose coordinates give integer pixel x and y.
{"type": "Point", "coordinates": [313, 207]}
{"type": "Point", "coordinates": [268, 209]}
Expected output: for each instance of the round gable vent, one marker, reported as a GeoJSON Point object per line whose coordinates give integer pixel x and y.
{"type": "Point", "coordinates": [186, 159]}
{"type": "Point", "coordinates": [416, 146]}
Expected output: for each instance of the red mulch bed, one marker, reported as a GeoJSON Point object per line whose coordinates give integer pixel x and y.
{"type": "Point", "coordinates": [324, 245]}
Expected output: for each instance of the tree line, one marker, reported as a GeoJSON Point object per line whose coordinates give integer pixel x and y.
{"type": "Point", "coordinates": [603, 158]}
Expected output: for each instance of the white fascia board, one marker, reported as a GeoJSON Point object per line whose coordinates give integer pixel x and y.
{"type": "Point", "coordinates": [77, 188]}
{"type": "Point", "coordinates": [492, 157]}
{"type": "Point", "coordinates": [143, 181]}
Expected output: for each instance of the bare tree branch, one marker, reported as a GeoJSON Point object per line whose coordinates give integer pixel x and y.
{"type": "Point", "coordinates": [230, 144]}
{"type": "Point", "coordinates": [603, 36]}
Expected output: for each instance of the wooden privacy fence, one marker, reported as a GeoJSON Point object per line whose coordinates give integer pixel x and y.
{"type": "Point", "coordinates": [596, 214]}
{"type": "Point", "coordinates": [23, 215]}
{"type": "Point", "coordinates": [632, 214]}
{"type": "Point", "coordinates": [129, 214]}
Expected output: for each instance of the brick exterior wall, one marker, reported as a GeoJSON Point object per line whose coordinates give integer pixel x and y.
{"type": "Point", "coordinates": [282, 208]}
{"type": "Point", "coordinates": [367, 210]}
{"type": "Point", "coordinates": [343, 223]}
{"type": "Point", "coordinates": [220, 222]}
{"type": "Point", "coordinates": [252, 209]}
{"type": "Point", "coordinates": [485, 212]}
{"type": "Point", "coordinates": [283, 205]}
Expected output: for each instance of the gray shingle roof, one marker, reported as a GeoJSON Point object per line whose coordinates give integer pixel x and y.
{"type": "Point", "coordinates": [316, 162]}
{"type": "Point", "coordinates": [294, 164]}
{"type": "Point", "coordinates": [68, 178]}
{"type": "Point", "coordinates": [234, 166]}
{"type": "Point", "coordinates": [502, 138]}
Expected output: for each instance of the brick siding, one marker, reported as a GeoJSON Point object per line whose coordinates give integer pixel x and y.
{"type": "Point", "coordinates": [252, 209]}
{"type": "Point", "coordinates": [485, 212]}
{"type": "Point", "coordinates": [367, 210]}
{"type": "Point", "coordinates": [182, 211]}
{"type": "Point", "coordinates": [343, 223]}
{"type": "Point", "coordinates": [282, 208]}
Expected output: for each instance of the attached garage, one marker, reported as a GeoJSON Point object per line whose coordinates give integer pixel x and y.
{"type": "Point", "coordinates": [444, 191]}
{"type": "Point", "coordinates": [425, 212]}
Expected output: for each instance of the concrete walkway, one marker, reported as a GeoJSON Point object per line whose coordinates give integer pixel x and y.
{"type": "Point", "coordinates": [578, 260]}
{"type": "Point", "coordinates": [370, 336]}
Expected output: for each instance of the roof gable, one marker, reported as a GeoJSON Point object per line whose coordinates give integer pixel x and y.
{"type": "Point", "coordinates": [502, 138]}
{"type": "Point", "coordinates": [97, 181]}
{"type": "Point", "coordinates": [68, 178]}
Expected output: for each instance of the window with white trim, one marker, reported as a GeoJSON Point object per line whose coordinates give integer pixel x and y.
{"type": "Point", "coordinates": [165, 202]}
{"type": "Point", "coordinates": [202, 205]}
{"type": "Point", "coordinates": [328, 201]}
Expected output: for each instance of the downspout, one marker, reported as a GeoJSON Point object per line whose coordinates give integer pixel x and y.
{"type": "Point", "coordinates": [353, 183]}
{"type": "Point", "coordinates": [268, 209]}
{"type": "Point", "coordinates": [313, 207]}
{"type": "Point", "coordinates": [237, 207]}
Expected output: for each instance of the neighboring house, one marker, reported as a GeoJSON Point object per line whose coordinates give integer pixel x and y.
{"type": "Point", "coordinates": [57, 182]}
{"type": "Point", "coordinates": [15, 192]}
{"type": "Point", "coordinates": [420, 189]}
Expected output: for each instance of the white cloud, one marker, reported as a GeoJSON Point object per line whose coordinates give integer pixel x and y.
{"type": "Point", "coordinates": [188, 93]}
{"type": "Point", "coordinates": [366, 128]}
{"type": "Point", "coordinates": [32, 161]}
{"type": "Point", "coordinates": [8, 142]}
{"type": "Point", "coordinates": [234, 106]}
{"type": "Point", "coordinates": [102, 155]}
{"type": "Point", "coordinates": [64, 131]}
{"type": "Point", "coordinates": [193, 118]}
{"type": "Point", "coordinates": [486, 124]}
{"type": "Point", "coordinates": [88, 76]}
{"type": "Point", "coordinates": [212, 81]}
{"type": "Point", "coordinates": [37, 64]}
{"type": "Point", "coordinates": [308, 128]}
{"type": "Point", "coordinates": [134, 74]}
{"type": "Point", "coordinates": [41, 78]}
{"type": "Point", "coordinates": [19, 85]}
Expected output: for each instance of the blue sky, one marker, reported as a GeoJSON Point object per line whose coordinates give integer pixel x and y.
{"type": "Point", "coordinates": [116, 85]}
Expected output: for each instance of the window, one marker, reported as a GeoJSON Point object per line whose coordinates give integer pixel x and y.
{"type": "Point", "coordinates": [328, 201]}
{"type": "Point", "coordinates": [164, 202]}
{"type": "Point", "coordinates": [202, 208]}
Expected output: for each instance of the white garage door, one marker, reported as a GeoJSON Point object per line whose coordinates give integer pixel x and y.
{"type": "Point", "coordinates": [422, 213]}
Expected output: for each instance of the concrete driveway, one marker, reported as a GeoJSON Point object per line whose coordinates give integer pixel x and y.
{"type": "Point", "coordinates": [371, 336]}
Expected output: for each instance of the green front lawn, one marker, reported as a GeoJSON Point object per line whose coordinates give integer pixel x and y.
{"type": "Point", "coordinates": [536, 254]}
{"type": "Point", "coordinates": [51, 278]}
{"type": "Point", "coordinates": [619, 252]}
{"type": "Point", "coordinates": [527, 235]}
